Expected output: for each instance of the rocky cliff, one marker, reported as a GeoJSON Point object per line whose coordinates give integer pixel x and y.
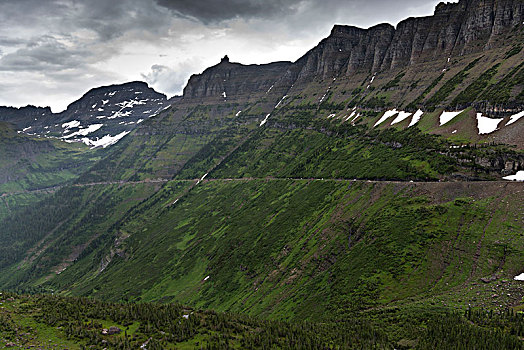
{"type": "Point", "coordinates": [23, 116]}
{"type": "Point", "coordinates": [229, 80]}
{"type": "Point", "coordinates": [455, 29]}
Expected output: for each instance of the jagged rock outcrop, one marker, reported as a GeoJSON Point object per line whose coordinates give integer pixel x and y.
{"type": "Point", "coordinates": [502, 164]}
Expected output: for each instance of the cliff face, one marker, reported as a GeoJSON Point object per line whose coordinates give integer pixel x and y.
{"type": "Point", "coordinates": [22, 117]}
{"type": "Point", "coordinates": [455, 29]}
{"type": "Point", "coordinates": [347, 49]}
{"type": "Point", "coordinates": [230, 80]}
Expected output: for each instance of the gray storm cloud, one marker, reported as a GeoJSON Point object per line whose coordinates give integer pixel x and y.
{"type": "Point", "coordinates": [220, 10]}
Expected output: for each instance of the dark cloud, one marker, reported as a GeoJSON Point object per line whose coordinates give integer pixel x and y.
{"type": "Point", "coordinates": [220, 10]}
{"type": "Point", "coordinates": [309, 11]}
{"type": "Point", "coordinates": [44, 54]}
{"type": "Point", "coordinates": [10, 42]}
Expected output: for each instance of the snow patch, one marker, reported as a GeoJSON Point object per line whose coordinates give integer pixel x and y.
{"type": "Point", "coordinates": [71, 124]}
{"type": "Point", "coordinates": [139, 121]}
{"type": "Point", "coordinates": [281, 100]}
{"type": "Point", "coordinates": [93, 106]}
{"type": "Point", "coordinates": [238, 113]}
{"type": "Point", "coordinates": [487, 125]}
{"type": "Point", "coordinates": [265, 120]}
{"type": "Point", "coordinates": [120, 114]}
{"type": "Point", "coordinates": [267, 92]}
{"type": "Point", "coordinates": [203, 177]}
{"type": "Point", "coordinates": [386, 115]}
{"type": "Point", "coordinates": [104, 102]}
{"type": "Point", "coordinates": [84, 132]}
{"type": "Point", "coordinates": [205, 279]}
{"type": "Point", "coordinates": [131, 103]}
{"type": "Point", "coordinates": [445, 117]}
{"type": "Point", "coordinates": [514, 118]}
{"type": "Point", "coordinates": [105, 141]}
{"type": "Point", "coordinates": [416, 118]}
{"type": "Point", "coordinates": [224, 94]}
{"type": "Point", "coordinates": [401, 116]}
{"type": "Point", "coordinates": [25, 129]}
{"type": "Point", "coordinates": [519, 176]}
{"type": "Point", "coordinates": [324, 97]}
{"type": "Point", "coordinates": [350, 116]}
{"type": "Point", "coordinates": [519, 277]}
{"type": "Point", "coordinates": [331, 116]}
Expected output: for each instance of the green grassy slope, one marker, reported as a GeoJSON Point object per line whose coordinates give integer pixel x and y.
{"type": "Point", "coordinates": [309, 248]}
{"type": "Point", "coordinates": [42, 241]}
{"type": "Point", "coordinates": [272, 244]}
{"type": "Point", "coordinates": [28, 163]}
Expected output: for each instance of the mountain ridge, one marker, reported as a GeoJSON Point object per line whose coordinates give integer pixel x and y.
{"type": "Point", "coordinates": [99, 118]}
{"type": "Point", "coordinates": [455, 29]}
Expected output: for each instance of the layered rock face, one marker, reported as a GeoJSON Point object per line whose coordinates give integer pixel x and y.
{"type": "Point", "coordinates": [347, 49]}
{"type": "Point", "coordinates": [22, 117]}
{"type": "Point", "coordinates": [455, 29]}
{"type": "Point", "coordinates": [231, 80]}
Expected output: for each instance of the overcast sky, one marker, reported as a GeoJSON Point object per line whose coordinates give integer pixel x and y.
{"type": "Point", "coordinates": [53, 51]}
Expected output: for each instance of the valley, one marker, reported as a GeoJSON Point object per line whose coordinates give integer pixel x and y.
{"type": "Point", "coordinates": [367, 195]}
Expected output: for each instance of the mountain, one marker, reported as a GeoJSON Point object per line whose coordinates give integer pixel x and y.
{"type": "Point", "coordinates": [467, 57]}
{"type": "Point", "coordinates": [99, 118]}
{"type": "Point", "coordinates": [368, 180]}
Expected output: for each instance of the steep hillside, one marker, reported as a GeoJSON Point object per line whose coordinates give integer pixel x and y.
{"type": "Point", "coordinates": [31, 168]}
{"type": "Point", "coordinates": [467, 57]}
{"type": "Point", "coordinates": [29, 163]}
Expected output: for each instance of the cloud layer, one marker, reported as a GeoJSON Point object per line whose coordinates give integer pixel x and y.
{"type": "Point", "coordinates": [52, 51]}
